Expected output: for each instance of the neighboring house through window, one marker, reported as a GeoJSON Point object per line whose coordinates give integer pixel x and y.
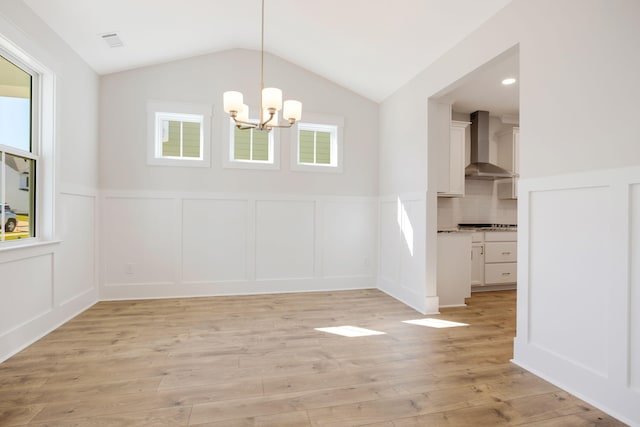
{"type": "Point", "coordinates": [18, 148]}
{"type": "Point", "coordinates": [318, 144]}
{"type": "Point", "coordinates": [250, 148]}
{"type": "Point", "coordinates": [179, 134]}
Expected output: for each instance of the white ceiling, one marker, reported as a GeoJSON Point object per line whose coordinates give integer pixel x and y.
{"type": "Point", "coordinates": [483, 88]}
{"type": "Point", "coordinates": [372, 47]}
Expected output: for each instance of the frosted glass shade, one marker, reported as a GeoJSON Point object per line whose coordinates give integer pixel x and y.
{"type": "Point", "coordinates": [243, 115]}
{"type": "Point", "coordinates": [232, 101]}
{"type": "Point", "coordinates": [292, 110]}
{"type": "Point", "coordinates": [272, 98]}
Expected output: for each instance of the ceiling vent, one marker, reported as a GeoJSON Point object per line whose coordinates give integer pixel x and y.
{"type": "Point", "coordinates": [112, 39]}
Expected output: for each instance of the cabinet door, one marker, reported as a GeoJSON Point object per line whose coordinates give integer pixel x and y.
{"type": "Point", "coordinates": [456, 167]}
{"type": "Point", "coordinates": [509, 158]}
{"type": "Point", "coordinates": [477, 264]}
{"type": "Point", "coordinates": [507, 188]}
{"type": "Point", "coordinates": [451, 171]}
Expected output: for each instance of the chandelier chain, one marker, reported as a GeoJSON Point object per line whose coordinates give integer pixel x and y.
{"type": "Point", "coordinates": [270, 101]}
{"type": "Point", "coordinates": [262, 65]}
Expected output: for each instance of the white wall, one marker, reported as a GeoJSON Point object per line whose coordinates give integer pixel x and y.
{"type": "Point", "coordinates": [43, 286]}
{"type": "Point", "coordinates": [202, 80]}
{"type": "Point", "coordinates": [577, 100]}
{"type": "Point", "coordinates": [480, 204]}
{"type": "Point", "coordinates": [176, 231]}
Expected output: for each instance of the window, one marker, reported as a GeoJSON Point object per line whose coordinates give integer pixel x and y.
{"type": "Point", "coordinates": [178, 134]}
{"type": "Point", "coordinates": [18, 148]}
{"type": "Point", "coordinates": [250, 148]}
{"type": "Point", "coordinates": [251, 145]}
{"type": "Point", "coordinates": [317, 145]}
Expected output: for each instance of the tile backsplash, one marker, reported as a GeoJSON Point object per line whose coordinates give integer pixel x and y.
{"type": "Point", "coordinates": [480, 204]}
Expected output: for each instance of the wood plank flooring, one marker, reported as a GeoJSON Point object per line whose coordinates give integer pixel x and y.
{"type": "Point", "coordinates": [258, 361]}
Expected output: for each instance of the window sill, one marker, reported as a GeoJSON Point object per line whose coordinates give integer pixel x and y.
{"type": "Point", "coordinates": [33, 244]}
{"type": "Point", "coordinates": [179, 163]}
{"type": "Point", "coordinates": [239, 164]}
{"type": "Point", "coordinates": [297, 167]}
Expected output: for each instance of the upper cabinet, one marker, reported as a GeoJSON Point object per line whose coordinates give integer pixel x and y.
{"type": "Point", "coordinates": [508, 158]}
{"type": "Point", "coordinates": [453, 162]}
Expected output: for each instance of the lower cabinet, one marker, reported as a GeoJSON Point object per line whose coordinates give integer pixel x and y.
{"type": "Point", "coordinates": [477, 259]}
{"type": "Point", "coordinates": [494, 259]}
{"type": "Point", "coordinates": [454, 268]}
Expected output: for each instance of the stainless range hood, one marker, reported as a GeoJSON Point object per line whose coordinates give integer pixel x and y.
{"type": "Point", "coordinates": [480, 166]}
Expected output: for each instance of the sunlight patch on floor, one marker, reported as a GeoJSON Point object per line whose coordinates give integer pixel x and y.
{"type": "Point", "coordinates": [350, 331]}
{"type": "Point", "coordinates": [435, 323]}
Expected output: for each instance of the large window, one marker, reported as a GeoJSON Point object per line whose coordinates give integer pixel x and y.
{"type": "Point", "coordinates": [178, 134]}
{"type": "Point", "coordinates": [18, 150]}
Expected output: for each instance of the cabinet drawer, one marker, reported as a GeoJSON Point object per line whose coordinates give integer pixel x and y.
{"type": "Point", "coordinates": [500, 273]}
{"type": "Point", "coordinates": [500, 236]}
{"type": "Point", "coordinates": [477, 236]}
{"type": "Point", "coordinates": [500, 252]}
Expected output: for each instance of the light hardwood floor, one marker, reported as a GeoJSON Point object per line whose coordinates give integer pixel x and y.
{"type": "Point", "coordinates": [258, 361]}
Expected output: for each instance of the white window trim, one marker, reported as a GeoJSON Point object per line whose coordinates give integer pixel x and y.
{"type": "Point", "coordinates": [42, 144]}
{"type": "Point", "coordinates": [321, 122]}
{"type": "Point", "coordinates": [183, 112]}
{"type": "Point", "coordinates": [227, 150]}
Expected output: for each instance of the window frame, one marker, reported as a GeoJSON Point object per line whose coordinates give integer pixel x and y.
{"type": "Point", "coordinates": [183, 112]}
{"type": "Point", "coordinates": [228, 160]}
{"type": "Point", "coordinates": [322, 123]}
{"type": "Point", "coordinates": [37, 73]}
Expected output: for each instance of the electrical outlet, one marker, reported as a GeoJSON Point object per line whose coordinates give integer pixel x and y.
{"type": "Point", "coordinates": [128, 268]}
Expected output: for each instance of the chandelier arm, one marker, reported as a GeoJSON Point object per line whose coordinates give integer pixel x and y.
{"type": "Point", "coordinates": [241, 124]}
{"type": "Point", "coordinates": [283, 126]}
{"type": "Point", "coordinates": [268, 120]}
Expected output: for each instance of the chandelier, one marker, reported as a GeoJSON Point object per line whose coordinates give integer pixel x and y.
{"type": "Point", "coordinates": [270, 102]}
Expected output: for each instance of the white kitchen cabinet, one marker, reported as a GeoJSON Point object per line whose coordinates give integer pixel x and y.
{"type": "Point", "coordinates": [494, 260]}
{"type": "Point", "coordinates": [454, 268]}
{"type": "Point", "coordinates": [456, 161]}
{"type": "Point", "coordinates": [509, 158]}
{"type": "Point", "coordinates": [500, 260]}
{"type": "Point", "coordinates": [477, 259]}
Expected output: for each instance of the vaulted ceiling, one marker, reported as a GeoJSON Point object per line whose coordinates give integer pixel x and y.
{"type": "Point", "coordinates": [371, 47]}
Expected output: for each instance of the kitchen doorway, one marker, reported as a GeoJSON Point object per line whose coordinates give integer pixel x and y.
{"type": "Point", "coordinates": [476, 142]}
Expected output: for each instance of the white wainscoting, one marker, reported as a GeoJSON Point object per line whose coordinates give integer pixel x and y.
{"type": "Point", "coordinates": [634, 293]}
{"type": "Point", "coordinates": [159, 245]}
{"type": "Point", "coordinates": [45, 285]}
{"type": "Point", "coordinates": [401, 272]}
{"type": "Point", "coordinates": [579, 286]}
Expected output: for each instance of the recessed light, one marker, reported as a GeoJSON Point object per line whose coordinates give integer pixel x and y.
{"type": "Point", "coordinates": [508, 81]}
